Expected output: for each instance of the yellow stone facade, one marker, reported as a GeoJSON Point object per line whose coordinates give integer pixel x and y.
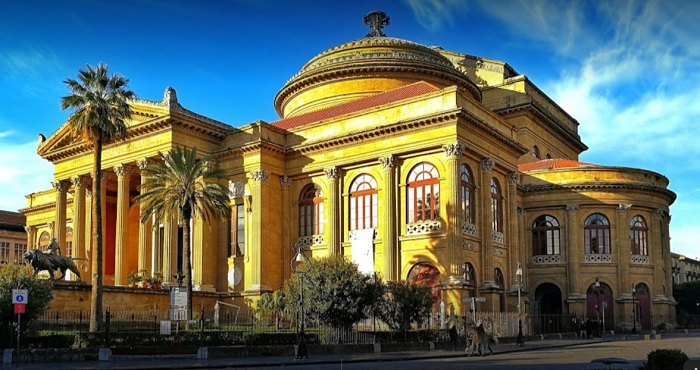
{"type": "Point", "coordinates": [412, 122]}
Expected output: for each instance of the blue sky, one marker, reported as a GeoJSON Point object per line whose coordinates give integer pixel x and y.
{"type": "Point", "coordinates": [627, 70]}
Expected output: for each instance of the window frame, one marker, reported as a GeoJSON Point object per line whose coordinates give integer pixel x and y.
{"type": "Point", "coordinates": [364, 203]}
{"type": "Point", "coordinates": [466, 193]}
{"type": "Point", "coordinates": [496, 205]}
{"type": "Point", "coordinates": [546, 236]}
{"type": "Point", "coordinates": [310, 211]}
{"type": "Point", "coordinates": [639, 236]}
{"type": "Point", "coordinates": [594, 231]}
{"type": "Point", "coordinates": [423, 187]}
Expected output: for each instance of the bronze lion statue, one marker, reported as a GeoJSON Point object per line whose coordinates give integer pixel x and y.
{"type": "Point", "coordinates": [50, 262]}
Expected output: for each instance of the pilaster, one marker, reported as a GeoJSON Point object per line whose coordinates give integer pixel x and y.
{"type": "Point", "coordinates": [486, 229]}
{"type": "Point", "coordinates": [511, 240]}
{"type": "Point", "coordinates": [255, 261]}
{"type": "Point", "coordinates": [572, 253]}
{"type": "Point", "coordinates": [145, 229]}
{"type": "Point", "coordinates": [453, 152]}
{"type": "Point", "coordinates": [285, 184]}
{"type": "Point", "coordinates": [333, 209]}
{"type": "Point", "coordinates": [389, 238]}
{"type": "Point", "coordinates": [623, 247]}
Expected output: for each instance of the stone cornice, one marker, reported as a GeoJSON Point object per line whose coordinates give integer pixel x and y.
{"type": "Point", "coordinates": [536, 109]}
{"type": "Point", "coordinates": [512, 144]}
{"type": "Point", "coordinates": [669, 195]}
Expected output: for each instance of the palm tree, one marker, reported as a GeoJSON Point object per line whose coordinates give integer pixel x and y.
{"type": "Point", "coordinates": [100, 108]}
{"type": "Point", "coordinates": [182, 184]}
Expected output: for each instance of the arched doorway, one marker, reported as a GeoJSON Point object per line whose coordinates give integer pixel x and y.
{"type": "Point", "coordinates": [599, 305]}
{"type": "Point", "coordinates": [425, 273]}
{"type": "Point", "coordinates": [643, 306]}
{"type": "Point", "coordinates": [547, 308]}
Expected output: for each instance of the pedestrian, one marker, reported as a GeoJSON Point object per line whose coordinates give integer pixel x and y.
{"type": "Point", "coordinates": [582, 329]}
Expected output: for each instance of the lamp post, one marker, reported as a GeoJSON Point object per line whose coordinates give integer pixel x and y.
{"type": "Point", "coordinates": [519, 276]}
{"type": "Point", "coordinates": [301, 343]}
{"type": "Point", "coordinates": [634, 310]}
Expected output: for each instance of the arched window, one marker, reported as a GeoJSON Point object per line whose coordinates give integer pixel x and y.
{"type": "Point", "coordinates": [536, 152]}
{"type": "Point", "coordinates": [545, 236]}
{"type": "Point", "coordinates": [363, 202]}
{"type": "Point", "coordinates": [548, 156]}
{"type": "Point", "coordinates": [638, 236]}
{"type": "Point", "coordinates": [310, 211]}
{"type": "Point", "coordinates": [425, 273]}
{"type": "Point", "coordinates": [597, 234]}
{"type": "Point", "coordinates": [44, 240]}
{"type": "Point", "coordinates": [467, 194]}
{"type": "Point", "coordinates": [469, 276]}
{"type": "Point", "coordinates": [423, 193]}
{"type": "Point", "coordinates": [496, 205]}
{"type": "Point", "coordinates": [501, 283]}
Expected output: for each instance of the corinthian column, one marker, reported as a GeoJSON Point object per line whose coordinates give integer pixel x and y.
{"type": "Point", "coordinates": [145, 228]}
{"type": "Point", "coordinates": [511, 239]}
{"type": "Point", "coordinates": [254, 261]}
{"type": "Point", "coordinates": [486, 224]}
{"type": "Point", "coordinates": [79, 184]}
{"type": "Point", "coordinates": [389, 238]}
{"type": "Point", "coordinates": [122, 228]}
{"type": "Point", "coordinates": [60, 228]}
{"type": "Point", "coordinates": [453, 152]}
{"type": "Point", "coordinates": [572, 254]}
{"type": "Point", "coordinates": [333, 175]}
{"type": "Point", "coordinates": [285, 184]}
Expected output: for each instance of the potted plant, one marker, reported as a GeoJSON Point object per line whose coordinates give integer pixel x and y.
{"type": "Point", "coordinates": [133, 278]}
{"type": "Point", "coordinates": [157, 280]}
{"type": "Point", "coordinates": [144, 281]}
{"type": "Point", "coordinates": [150, 280]}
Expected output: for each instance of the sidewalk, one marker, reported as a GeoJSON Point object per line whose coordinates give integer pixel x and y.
{"type": "Point", "coordinates": [191, 362]}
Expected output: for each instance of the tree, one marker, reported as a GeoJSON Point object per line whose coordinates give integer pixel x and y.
{"type": "Point", "coordinates": [273, 304]}
{"type": "Point", "coordinates": [688, 296]}
{"type": "Point", "coordinates": [38, 298]}
{"type": "Point", "coordinates": [335, 291]}
{"type": "Point", "coordinates": [101, 109]}
{"type": "Point", "coordinates": [180, 184]}
{"type": "Point", "coordinates": [405, 303]}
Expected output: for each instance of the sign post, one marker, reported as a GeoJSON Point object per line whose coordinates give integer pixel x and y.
{"type": "Point", "coordinates": [19, 299]}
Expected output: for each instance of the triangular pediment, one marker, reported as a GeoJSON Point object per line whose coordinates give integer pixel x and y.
{"type": "Point", "coordinates": [147, 116]}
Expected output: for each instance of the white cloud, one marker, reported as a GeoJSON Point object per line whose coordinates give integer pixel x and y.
{"type": "Point", "coordinates": [433, 15]}
{"type": "Point", "coordinates": [22, 172]}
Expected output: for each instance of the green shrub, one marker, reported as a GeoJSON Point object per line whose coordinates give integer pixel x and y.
{"type": "Point", "coordinates": [666, 359]}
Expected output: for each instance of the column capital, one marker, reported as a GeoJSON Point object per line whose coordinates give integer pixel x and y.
{"type": "Point", "coordinates": [123, 170]}
{"type": "Point", "coordinates": [571, 208]}
{"type": "Point", "coordinates": [285, 182]}
{"type": "Point", "coordinates": [28, 229]}
{"type": "Point", "coordinates": [659, 214]}
{"type": "Point", "coordinates": [260, 176]}
{"type": "Point", "coordinates": [60, 185]}
{"type": "Point", "coordinates": [388, 163]}
{"type": "Point", "coordinates": [104, 175]}
{"type": "Point", "coordinates": [142, 163]}
{"type": "Point", "coordinates": [332, 173]}
{"type": "Point", "coordinates": [521, 212]}
{"type": "Point", "coordinates": [453, 151]}
{"type": "Point", "coordinates": [513, 178]}
{"type": "Point", "coordinates": [623, 208]}
{"type": "Point", "coordinates": [487, 165]}
{"type": "Point", "coordinates": [79, 181]}
{"type": "Point", "coordinates": [88, 193]}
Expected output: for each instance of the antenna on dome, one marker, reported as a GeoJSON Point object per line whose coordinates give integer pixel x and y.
{"type": "Point", "coordinates": [376, 20]}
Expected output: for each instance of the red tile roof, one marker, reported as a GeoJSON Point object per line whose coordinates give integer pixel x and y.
{"type": "Point", "coordinates": [549, 164]}
{"type": "Point", "coordinates": [404, 92]}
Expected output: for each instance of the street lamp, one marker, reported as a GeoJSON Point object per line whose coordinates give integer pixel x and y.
{"type": "Point", "coordinates": [634, 310]}
{"type": "Point", "coordinates": [302, 351]}
{"type": "Point", "coordinates": [519, 276]}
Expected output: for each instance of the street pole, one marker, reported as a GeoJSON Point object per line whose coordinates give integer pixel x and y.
{"type": "Point", "coordinates": [519, 275]}
{"type": "Point", "coordinates": [302, 350]}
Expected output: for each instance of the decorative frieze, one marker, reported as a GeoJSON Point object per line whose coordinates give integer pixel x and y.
{"type": "Point", "coordinates": [546, 259]}
{"type": "Point", "coordinates": [285, 182]}
{"type": "Point", "coordinates": [453, 151]}
{"type": "Point", "coordinates": [423, 227]}
{"type": "Point", "coordinates": [236, 189]}
{"type": "Point", "coordinates": [639, 260]}
{"type": "Point", "coordinates": [260, 176]}
{"type": "Point", "coordinates": [598, 258]}
{"type": "Point", "coordinates": [468, 228]}
{"type": "Point", "coordinates": [309, 240]}
{"type": "Point", "coordinates": [388, 162]}
{"type": "Point", "coordinates": [499, 251]}
{"type": "Point", "coordinates": [466, 244]}
{"type": "Point", "coordinates": [487, 165]}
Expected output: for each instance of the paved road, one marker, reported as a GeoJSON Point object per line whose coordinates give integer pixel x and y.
{"type": "Point", "coordinates": [540, 355]}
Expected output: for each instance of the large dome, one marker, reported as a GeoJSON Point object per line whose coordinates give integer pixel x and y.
{"type": "Point", "coordinates": [364, 67]}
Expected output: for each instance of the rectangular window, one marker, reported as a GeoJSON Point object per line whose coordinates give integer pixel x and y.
{"type": "Point", "coordinates": [20, 249]}
{"type": "Point", "coordinates": [4, 252]}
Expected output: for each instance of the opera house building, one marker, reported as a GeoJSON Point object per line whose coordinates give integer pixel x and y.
{"type": "Point", "coordinates": [416, 162]}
